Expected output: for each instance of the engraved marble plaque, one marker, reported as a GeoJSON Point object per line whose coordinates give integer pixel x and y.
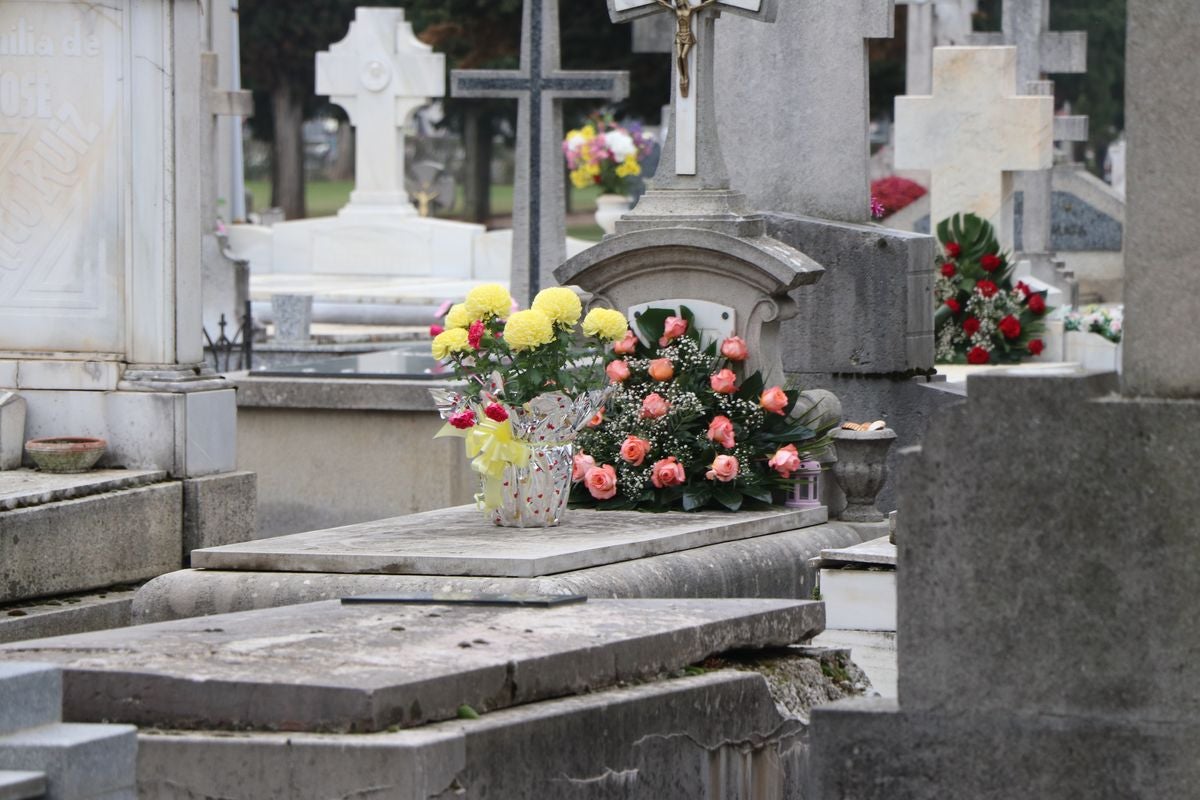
{"type": "Point", "coordinates": [62, 259]}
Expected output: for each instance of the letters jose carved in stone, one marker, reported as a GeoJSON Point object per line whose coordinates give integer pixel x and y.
{"type": "Point", "coordinates": [60, 223]}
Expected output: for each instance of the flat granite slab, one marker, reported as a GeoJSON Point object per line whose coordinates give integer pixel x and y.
{"type": "Point", "coordinates": [460, 542]}
{"type": "Point", "coordinates": [364, 668]}
{"type": "Point", "coordinates": [877, 551]}
{"type": "Point", "coordinates": [23, 488]}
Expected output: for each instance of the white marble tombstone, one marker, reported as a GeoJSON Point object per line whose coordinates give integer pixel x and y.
{"type": "Point", "coordinates": [973, 133]}
{"type": "Point", "coordinates": [100, 227]}
{"type": "Point", "coordinates": [380, 73]}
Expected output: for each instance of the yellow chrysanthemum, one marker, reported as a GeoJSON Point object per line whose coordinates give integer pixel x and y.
{"type": "Point", "coordinates": [629, 167]}
{"type": "Point", "coordinates": [561, 305]}
{"type": "Point", "coordinates": [488, 300]}
{"type": "Point", "coordinates": [581, 178]}
{"type": "Point", "coordinates": [606, 324]}
{"type": "Point", "coordinates": [526, 330]}
{"type": "Point", "coordinates": [450, 341]}
{"type": "Point", "coordinates": [459, 317]}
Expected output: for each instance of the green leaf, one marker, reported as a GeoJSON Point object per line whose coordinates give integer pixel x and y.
{"type": "Point", "coordinates": [466, 712]}
{"type": "Point", "coordinates": [728, 496]}
{"type": "Point", "coordinates": [695, 498]}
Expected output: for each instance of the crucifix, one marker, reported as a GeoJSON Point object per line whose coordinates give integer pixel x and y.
{"type": "Point", "coordinates": [693, 138]}
{"type": "Point", "coordinates": [540, 86]}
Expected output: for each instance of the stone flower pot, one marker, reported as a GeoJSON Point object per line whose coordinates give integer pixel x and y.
{"type": "Point", "coordinates": [65, 454]}
{"type": "Point", "coordinates": [609, 209]}
{"type": "Point", "coordinates": [861, 471]}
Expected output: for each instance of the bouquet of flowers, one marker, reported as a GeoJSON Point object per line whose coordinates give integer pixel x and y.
{"type": "Point", "coordinates": [679, 430]}
{"type": "Point", "coordinates": [528, 391]}
{"type": "Point", "coordinates": [1105, 321]}
{"type": "Point", "coordinates": [605, 154]}
{"type": "Point", "coordinates": [982, 318]}
{"type": "Point", "coordinates": [895, 193]}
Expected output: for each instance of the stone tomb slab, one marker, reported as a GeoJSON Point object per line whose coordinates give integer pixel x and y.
{"type": "Point", "coordinates": [364, 668]}
{"type": "Point", "coordinates": [458, 541]}
{"type": "Point", "coordinates": [23, 488]}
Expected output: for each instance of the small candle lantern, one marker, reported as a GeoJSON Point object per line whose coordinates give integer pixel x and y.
{"type": "Point", "coordinates": [807, 493]}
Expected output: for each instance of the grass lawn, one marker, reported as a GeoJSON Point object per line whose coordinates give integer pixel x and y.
{"type": "Point", "coordinates": [326, 198]}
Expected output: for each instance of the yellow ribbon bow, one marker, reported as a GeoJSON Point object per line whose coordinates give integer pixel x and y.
{"type": "Point", "coordinates": [491, 446]}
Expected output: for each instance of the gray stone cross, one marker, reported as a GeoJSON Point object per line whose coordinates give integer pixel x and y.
{"type": "Point", "coordinates": [692, 151]}
{"type": "Point", "coordinates": [540, 85]}
{"type": "Point", "coordinates": [1040, 52]}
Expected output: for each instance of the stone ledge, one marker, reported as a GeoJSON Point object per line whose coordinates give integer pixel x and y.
{"type": "Point", "coordinates": [23, 488]}
{"type": "Point", "coordinates": [61, 616]}
{"type": "Point", "coordinates": [340, 394]}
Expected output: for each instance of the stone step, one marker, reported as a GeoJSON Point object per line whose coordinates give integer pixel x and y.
{"type": "Point", "coordinates": [67, 614]}
{"type": "Point", "coordinates": [22, 785]}
{"type": "Point", "coordinates": [30, 696]}
{"type": "Point", "coordinates": [79, 761]}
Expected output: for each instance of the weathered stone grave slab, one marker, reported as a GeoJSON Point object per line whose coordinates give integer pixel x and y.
{"type": "Point", "coordinates": [456, 541]}
{"type": "Point", "coordinates": [25, 488]}
{"type": "Point", "coordinates": [364, 668]}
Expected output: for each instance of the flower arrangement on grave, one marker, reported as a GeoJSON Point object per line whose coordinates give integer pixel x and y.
{"type": "Point", "coordinates": [680, 430]}
{"type": "Point", "coordinates": [982, 317]}
{"type": "Point", "coordinates": [1107, 321]}
{"type": "Point", "coordinates": [529, 386]}
{"type": "Point", "coordinates": [894, 193]}
{"type": "Point", "coordinates": [605, 154]}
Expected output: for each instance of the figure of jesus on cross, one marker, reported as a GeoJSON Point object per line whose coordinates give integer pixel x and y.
{"type": "Point", "coordinates": [685, 39]}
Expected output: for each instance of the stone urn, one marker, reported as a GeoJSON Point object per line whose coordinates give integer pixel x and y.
{"type": "Point", "coordinates": [609, 209]}
{"type": "Point", "coordinates": [861, 471]}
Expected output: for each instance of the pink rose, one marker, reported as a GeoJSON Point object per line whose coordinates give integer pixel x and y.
{"type": "Point", "coordinates": [435, 330]}
{"type": "Point", "coordinates": [661, 369]}
{"type": "Point", "coordinates": [724, 382]}
{"type": "Point", "coordinates": [601, 482]}
{"type": "Point", "coordinates": [724, 469]}
{"type": "Point", "coordinates": [774, 400]}
{"type": "Point", "coordinates": [667, 472]}
{"type": "Point", "coordinates": [655, 406]}
{"type": "Point", "coordinates": [785, 461]}
{"type": "Point", "coordinates": [597, 420]}
{"type": "Point", "coordinates": [734, 349]}
{"type": "Point", "coordinates": [583, 462]}
{"type": "Point", "coordinates": [634, 450]}
{"type": "Point", "coordinates": [673, 328]}
{"type": "Point", "coordinates": [721, 430]}
{"type": "Point", "coordinates": [627, 346]}
{"type": "Point", "coordinates": [617, 371]}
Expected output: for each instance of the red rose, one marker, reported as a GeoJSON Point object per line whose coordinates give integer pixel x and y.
{"type": "Point", "coordinates": [954, 306]}
{"type": "Point", "coordinates": [1037, 304]}
{"type": "Point", "coordinates": [435, 330]}
{"type": "Point", "coordinates": [1023, 288]}
{"type": "Point", "coordinates": [990, 263]}
{"type": "Point", "coordinates": [1010, 326]}
{"type": "Point", "coordinates": [970, 326]}
{"type": "Point", "coordinates": [496, 412]}
{"type": "Point", "coordinates": [987, 288]}
{"type": "Point", "coordinates": [463, 420]}
{"type": "Point", "coordinates": [948, 270]}
{"type": "Point", "coordinates": [953, 249]}
{"type": "Point", "coordinates": [978, 356]}
{"type": "Point", "coordinates": [475, 334]}
{"type": "Point", "coordinates": [1036, 346]}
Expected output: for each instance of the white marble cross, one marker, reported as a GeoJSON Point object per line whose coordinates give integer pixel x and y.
{"type": "Point", "coordinates": [380, 74]}
{"type": "Point", "coordinates": [973, 133]}
{"type": "Point", "coordinates": [692, 109]}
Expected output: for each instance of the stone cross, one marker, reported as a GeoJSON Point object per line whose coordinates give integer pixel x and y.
{"type": "Point", "coordinates": [692, 150]}
{"type": "Point", "coordinates": [540, 86]}
{"type": "Point", "coordinates": [1040, 52]}
{"type": "Point", "coordinates": [973, 133]}
{"type": "Point", "coordinates": [380, 74]}
{"type": "Point", "coordinates": [794, 97]}
{"type": "Point", "coordinates": [933, 23]}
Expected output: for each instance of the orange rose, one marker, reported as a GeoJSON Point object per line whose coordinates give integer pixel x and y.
{"type": "Point", "coordinates": [724, 469]}
{"type": "Point", "coordinates": [734, 349]}
{"type": "Point", "coordinates": [673, 328]}
{"type": "Point", "coordinates": [582, 463]}
{"type": "Point", "coordinates": [627, 346]}
{"type": "Point", "coordinates": [601, 482]}
{"type": "Point", "coordinates": [724, 382]}
{"type": "Point", "coordinates": [617, 371]}
{"type": "Point", "coordinates": [774, 400]}
{"type": "Point", "coordinates": [667, 472]}
{"type": "Point", "coordinates": [785, 461]}
{"type": "Point", "coordinates": [655, 406]}
{"type": "Point", "coordinates": [634, 450]}
{"type": "Point", "coordinates": [598, 420]}
{"type": "Point", "coordinates": [720, 430]}
{"type": "Point", "coordinates": [661, 369]}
